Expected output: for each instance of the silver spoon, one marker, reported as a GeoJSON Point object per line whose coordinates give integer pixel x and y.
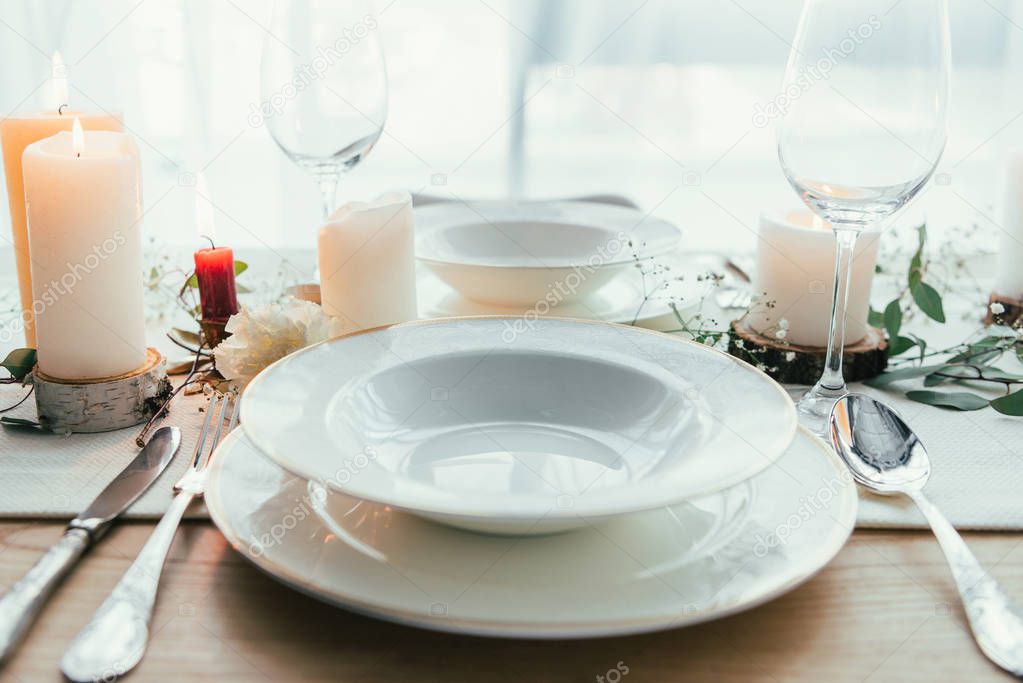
{"type": "Point", "coordinates": [886, 457]}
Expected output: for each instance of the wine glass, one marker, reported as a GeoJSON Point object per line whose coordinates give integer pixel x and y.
{"type": "Point", "coordinates": [323, 86]}
{"type": "Point", "coordinates": [862, 125]}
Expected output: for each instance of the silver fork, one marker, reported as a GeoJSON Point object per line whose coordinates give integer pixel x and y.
{"type": "Point", "coordinates": [113, 642]}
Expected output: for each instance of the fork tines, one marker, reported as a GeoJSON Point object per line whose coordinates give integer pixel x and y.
{"type": "Point", "coordinates": [221, 406]}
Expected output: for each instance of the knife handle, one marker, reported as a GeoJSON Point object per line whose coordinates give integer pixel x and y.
{"type": "Point", "coordinates": [20, 605]}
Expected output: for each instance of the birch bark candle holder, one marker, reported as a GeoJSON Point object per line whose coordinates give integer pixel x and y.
{"type": "Point", "coordinates": [102, 404]}
{"type": "Point", "coordinates": [797, 364]}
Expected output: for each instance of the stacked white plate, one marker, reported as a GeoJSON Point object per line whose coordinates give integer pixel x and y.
{"type": "Point", "coordinates": [556, 479]}
{"type": "Point", "coordinates": [576, 259]}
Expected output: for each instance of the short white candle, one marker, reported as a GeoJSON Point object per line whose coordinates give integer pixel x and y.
{"type": "Point", "coordinates": [367, 263]}
{"type": "Point", "coordinates": [796, 270]}
{"type": "Point", "coordinates": [1009, 271]}
{"type": "Point", "coordinates": [84, 207]}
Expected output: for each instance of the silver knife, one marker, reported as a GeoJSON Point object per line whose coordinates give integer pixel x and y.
{"type": "Point", "coordinates": [20, 605]}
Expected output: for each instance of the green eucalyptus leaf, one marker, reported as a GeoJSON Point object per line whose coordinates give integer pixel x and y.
{"type": "Point", "coordinates": [916, 274]}
{"type": "Point", "coordinates": [929, 301]}
{"type": "Point", "coordinates": [1010, 405]}
{"type": "Point", "coordinates": [893, 319]}
{"type": "Point", "coordinates": [19, 362]}
{"type": "Point", "coordinates": [890, 376]}
{"type": "Point", "coordinates": [969, 373]}
{"type": "Point", "coordinates": [240, 267]}
{"type": "Point", "coordinates": [978, 355]}
{"type": "Point", "coordinates": [901, 345]}
{"type": "Point", "coordinates": [192, 281]}
{"type": "Point", "coordinates": [951, 373]}
{"type": "Point", "coordinates": [960, 371]}
{"type": "Point", "coordinates": [959, 400]}
{"type": "Point", "coordinates": [916, 269]}
{"type": "Point", "coordinates": [990, 341]}
{"type": "Point", "coordinates": [19, 423]}
{"type": "Point", "coordinates": [922, 345]}
{"type": "Point", "coordinates": [999, 375]}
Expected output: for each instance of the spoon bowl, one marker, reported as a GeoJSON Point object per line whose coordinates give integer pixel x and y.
{"type": "Point", "coordinates": [879, 448]}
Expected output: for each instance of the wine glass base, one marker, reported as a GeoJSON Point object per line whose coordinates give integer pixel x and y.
{"type": "Point", "coordinates": [814, 409]}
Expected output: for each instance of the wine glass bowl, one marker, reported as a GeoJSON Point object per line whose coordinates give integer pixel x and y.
{"type": "Point", "coordinates": [862, 125]}
{"type": "Point", "coordinates": [323, 86]}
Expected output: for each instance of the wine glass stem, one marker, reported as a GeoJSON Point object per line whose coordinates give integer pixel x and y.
{"type": "Point", "coordinates": [328, 180]}
{"type": "Point", "coordinates": [845, 247]}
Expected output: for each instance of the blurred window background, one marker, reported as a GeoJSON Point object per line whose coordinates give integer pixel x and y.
{"type": "Point", "coordinates": [653, 99]}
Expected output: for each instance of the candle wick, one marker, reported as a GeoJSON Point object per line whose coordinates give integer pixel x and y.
{"type": "Point", "coordinates": [60, 109]}
{"type": "Point", "coordinates": [212, 245]}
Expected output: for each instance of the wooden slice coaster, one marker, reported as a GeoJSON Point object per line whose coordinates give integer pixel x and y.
{"type": "Point", "coordinates": [793, 364]}
{"type": "Point", "coordinates": [1011, 314]}
{"type": "Point", "coordinates": [104, 404]}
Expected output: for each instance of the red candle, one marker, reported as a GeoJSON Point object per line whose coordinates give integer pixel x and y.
{"type": "Point", "coordinates": [214, 269]}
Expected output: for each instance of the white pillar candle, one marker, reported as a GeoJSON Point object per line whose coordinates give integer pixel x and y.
{"type": "Point", "coordinates": [16, 133]}
{"type": "Point", "coordinates": [796, 270]}
{"type": "Point", "coordinates": [84, 207]}
{"type": "Point", "coordinates": [1009, 271]}
{"type": "Point", "coordinates": [367, 263]}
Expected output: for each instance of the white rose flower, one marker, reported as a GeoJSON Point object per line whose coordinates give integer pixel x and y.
{"type": "Point", "coordinates": [264, 335]}
{"type": "Point", "coordinates": [997, 308]}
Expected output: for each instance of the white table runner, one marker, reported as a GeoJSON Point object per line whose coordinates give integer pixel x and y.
{"type": "Point", "coordinates": [977, 458]}
{"type": "Point", "coordinates": [977, 479]}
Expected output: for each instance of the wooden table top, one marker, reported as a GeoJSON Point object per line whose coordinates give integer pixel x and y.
{"type": "Point", "coordinates": [884, 610]}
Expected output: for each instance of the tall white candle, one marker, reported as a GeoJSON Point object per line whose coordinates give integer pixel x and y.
{"type": "Point", "coordinates": [84, 207]}
{"type": "Point", "coordinates": [17, 131]}
{"type": "Point", "coordinates": [795, 273]}
{"type": "Point", "coordinates": [367, 263]}
{"type": "Point", "coordinates": [1009, 271]}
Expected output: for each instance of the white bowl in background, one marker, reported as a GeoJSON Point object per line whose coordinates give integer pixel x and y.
{"type": "Point", "coordinates": [518, 253]}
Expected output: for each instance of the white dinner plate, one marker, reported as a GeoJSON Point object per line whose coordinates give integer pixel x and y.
{"type": "Point", "coordinates": [644, 572]}
{"type": "Point", "coordinates": [630, 298]}
{"type": "Point", "coordinates": [518, 426]}
{"type": "Point", "coordinates": [517, 253]}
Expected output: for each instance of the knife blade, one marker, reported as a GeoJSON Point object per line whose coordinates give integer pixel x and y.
{"type": "Point", "coordinates": [20, 605]}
